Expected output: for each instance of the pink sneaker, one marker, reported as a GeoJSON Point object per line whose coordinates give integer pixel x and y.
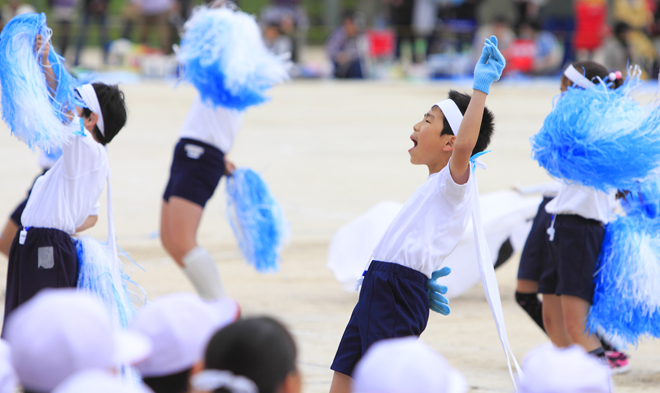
{"type": "Point", "coordinates": [618, 362]}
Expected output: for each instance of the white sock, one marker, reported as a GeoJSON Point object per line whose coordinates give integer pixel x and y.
{"type": "Point", "coordinates": [200, 268]}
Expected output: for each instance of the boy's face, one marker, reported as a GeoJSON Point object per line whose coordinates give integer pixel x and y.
{"type": "Point", "coordinates": [428, 141]}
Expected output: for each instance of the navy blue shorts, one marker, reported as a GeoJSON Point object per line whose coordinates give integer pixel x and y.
{"type": "Point", "coordinates": [393, 303]}
{"type": "Point", "coordinates": [18, 212]}
{"type": "Point", "coordinates": [574, 252]}
{"type": "Point", "coordinates": [196, 171]}
{"type": "Point", "coordinates": [536, 252]}
{"type": "Point", "coordinates": [48, 259]}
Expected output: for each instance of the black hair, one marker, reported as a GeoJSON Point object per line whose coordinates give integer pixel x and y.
{"type": "Point", "coordinates": [259, 348]}
{"type": "Point", "coordinates": [113, 109]}
{"type": "Point", "coordinates": [348, 14]}
{"type": "Point", "coordinates": [595, 72]}
{"type": "Point", "coordinates": [172, 383]}
{"type": "Point", "coordinates": [487, 121]}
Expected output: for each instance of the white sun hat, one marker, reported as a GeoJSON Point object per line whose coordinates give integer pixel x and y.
{"type": "Point", "coordinates": [405, 365]}
{"type": "Point", "coordinates": [180, 326]}
{"type": "Point", "coordinates": [60, 332]}
{"type": "Point", "coordinates": [98, 381]}
{"type": "Point", "coordinates": [548, 369]}
{"type": "Point", "coordinates": [8, 380]}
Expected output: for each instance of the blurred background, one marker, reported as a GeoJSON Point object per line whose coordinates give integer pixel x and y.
{"type": "Point", "coordinates": [375, 39]}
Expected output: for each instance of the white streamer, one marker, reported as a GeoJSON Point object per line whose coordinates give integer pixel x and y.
{"type": "Point", "coordinates": [489, 281]}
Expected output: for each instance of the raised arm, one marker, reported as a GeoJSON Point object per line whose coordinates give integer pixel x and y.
{"type": "Point", "coordinates": [488, 70]}
{"type": "Point", "coordinates": [45, 63]}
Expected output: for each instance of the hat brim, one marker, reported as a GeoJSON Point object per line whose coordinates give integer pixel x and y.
{"type": "Point", "coordinates": [131, 348]}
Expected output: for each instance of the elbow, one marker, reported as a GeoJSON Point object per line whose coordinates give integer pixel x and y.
{"type": "Point", "coordinates": [92, 221]}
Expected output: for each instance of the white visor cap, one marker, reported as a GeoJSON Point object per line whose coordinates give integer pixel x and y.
{"type": "Point", "coordinates": [98, 381]}
{"type": "Point", "coordinates": [548, 369]}
{"type": "Point", "coordinates": [405, 365]}
{"type": "Point", "coordinates": [180, 326]}
{"type": "Point", "coordinates": [60, 332]}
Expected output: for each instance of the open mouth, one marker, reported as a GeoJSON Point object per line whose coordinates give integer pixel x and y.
{"type": "Point", "coordinates": [414, 144]}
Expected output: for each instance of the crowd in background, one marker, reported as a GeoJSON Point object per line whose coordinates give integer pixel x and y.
{"type": "Point", "coordinates": [435, 38]}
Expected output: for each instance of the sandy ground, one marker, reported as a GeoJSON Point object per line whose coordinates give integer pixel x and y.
{"type": "Point", "coordinates": [329, 151]}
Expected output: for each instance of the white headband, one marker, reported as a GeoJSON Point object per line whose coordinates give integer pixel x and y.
{"type": "Point", "coordinates": [577, 77]}
{"type": "Point", "coordinates": [209, 380]}
{"type": "Point", "coordinates": [452, 114]}
{"type": "Point", "coordinates": [88, 95]}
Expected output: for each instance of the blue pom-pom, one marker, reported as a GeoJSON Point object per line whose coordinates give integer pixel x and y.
{"type": "Point", "coordinates": [256, 219]}
{"type": "Point", "coordinates": [34, 113]}
{"type": "Point", "coordinates": [104, 278]}
{"type": "Point", "coordinates": [626, 303]}
{"type": "Point", "coordinates": [600, 137]}
{"type": "Point", "coordinates": [644, 199]}
{"type": "Point", "coordinates": [224, 57]}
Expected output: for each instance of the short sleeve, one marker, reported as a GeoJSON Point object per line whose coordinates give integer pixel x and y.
{"type": "Point", "coordinates": [454, 193]}
{"type": "Point", "coordinates": [95, 209]}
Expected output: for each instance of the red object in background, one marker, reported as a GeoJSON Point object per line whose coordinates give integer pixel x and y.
{"type": "Point", "coordinates": [520, 56]}
{"type": "Point", "coordinates": [381, 43]}
{"type": "Point", "coordinates": [590, 24]}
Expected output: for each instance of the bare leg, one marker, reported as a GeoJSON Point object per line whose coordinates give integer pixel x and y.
{"type": "Point", "coordinates": [527, 286]}
{"type": "Point", "coordinates": [341, 383]}
{"type": "Point", "coordinates": [575, 311]}
{"type": "Point", "coordinates": [7, 237]}
{"type": "Point", "coordinates": [178, 227]}
{"type": "Point", "coordinates": [553, 319]}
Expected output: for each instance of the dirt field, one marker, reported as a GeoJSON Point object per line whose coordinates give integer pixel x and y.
{"type": "Point", "coordinates": [329, 151]}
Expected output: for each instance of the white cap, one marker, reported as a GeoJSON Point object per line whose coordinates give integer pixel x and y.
{"type": "Point", "coordinates": [99, 381]}
{"type": "Point", "coordinates": [62, 331]}
{"type": "Point", "coordinates": [548, 369]}
{"type": "Point", "coordinates": [180, 326]}
{"type": "Point", "coordinates": [405, 365]}
{"type": "Point", "coordinates": [8, 380]}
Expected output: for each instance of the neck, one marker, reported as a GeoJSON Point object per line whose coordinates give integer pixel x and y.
{"type": "Point", "coordinates": [438, 165]}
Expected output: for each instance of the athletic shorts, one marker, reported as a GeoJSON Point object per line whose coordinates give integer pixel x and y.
{"type": "Point", "coordinates": [18, 212]}
{"type": "Point", "coordinates": [536, 252]}
{"type": "Point", "coordinates": [574, 255]}
{"type": "Point", "coordinates": [393, 302]}
{"type": "Point", "coordinates": [47, 259]}
{"type": "Point", "coordinates": [196, 171]}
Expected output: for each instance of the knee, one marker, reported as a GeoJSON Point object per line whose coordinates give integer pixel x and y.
{"type": "Point", "coordinates": [575, 326]}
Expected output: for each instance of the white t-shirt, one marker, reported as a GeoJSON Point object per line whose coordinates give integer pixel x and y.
{"type": "Point", "coordinates": [68, 193]}
{"type": "Point", "coordinates": [216, 126]}
{"type": "Point", "coordinates": [430, 224]}
{"type": "Point", "coordinates": [583, 201]}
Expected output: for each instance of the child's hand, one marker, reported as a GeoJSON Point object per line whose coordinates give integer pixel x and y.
{"type": "Point", "coordinates": [489, 67]}
{"type": "Point", "coordinates": [437, 301]}
{"type": "Point", "coordinates": [230, 168]}
{"type": "Point", "coordinates": [38, 42]}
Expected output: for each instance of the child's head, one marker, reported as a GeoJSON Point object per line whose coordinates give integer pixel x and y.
{"type": "Point", "coordinates": [591, 71]}
{"type": "Point", "coordinates": [405, 365]}
{"type": "Point", "coordinates": [259, 349]}
{"type": "Point", "coordinates": [113, 110]}
{"type": "Point", "coordinates": [434, 137]}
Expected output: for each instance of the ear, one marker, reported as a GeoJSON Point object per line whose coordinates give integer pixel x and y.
{"type": "Point", "coordinates": [90, 121]}
{"type": "Point", "coordinates": [292, 383]}
{"type": "Point", "coordinates": [449, 144]}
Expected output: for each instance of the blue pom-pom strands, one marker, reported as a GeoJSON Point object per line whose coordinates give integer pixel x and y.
{"type": "Point", "coordinates": [600, 137]}
{"type": "Point", "coordinates": [104, 278]}
{"type": "Point", "coordinates": [626, 302]}
{"type": "Point", "coordinates": [34, 115]}
{"type": "Point", "coordinates": [224, 57]}
{"type": "Point", "coordinates": [256, 219]}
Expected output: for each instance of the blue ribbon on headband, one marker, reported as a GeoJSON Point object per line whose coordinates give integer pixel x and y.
{"type": "Point", "coordinates": [475, 162]}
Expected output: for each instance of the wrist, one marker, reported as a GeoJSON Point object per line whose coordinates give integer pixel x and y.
{"type": "Point", "coordinates": [482, 83]}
